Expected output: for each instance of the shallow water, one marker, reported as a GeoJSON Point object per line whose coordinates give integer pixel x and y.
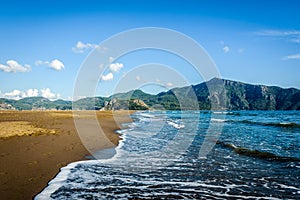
{"type": "Point", "coordinates": [192, 155]}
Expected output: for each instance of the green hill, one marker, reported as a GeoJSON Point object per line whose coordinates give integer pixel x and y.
{"type": "Point", "coordinates": [225, 94]}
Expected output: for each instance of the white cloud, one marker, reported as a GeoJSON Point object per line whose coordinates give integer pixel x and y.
{"type": "Point", "coordinates": [116, 67]}
{"type": "Point", "coordinates": [277, 32]}
{"type": "Point", "coordinates": [17, 94]}
{"type": "Point", "coordinates": [46, 93]}
{"type": "Point", "coordinates": [107, 77]}
{"type": "Point", "coordinates": [82, 47]}
{"type": "Point", "coordinates": [169, 84]}
{"type": "Point", "coordinates": [289, 57]}
{"type": "Point", "coordinates": [226, 49]}
{"type": "Point", "coordinates": [110, 59]}
{"type": "Point", "coordinates": [32, 93]}
{"type": "Point", "coordinates": [14, 66]}
{"type": "Point", "coordinates": [288, 35]}
{"type": "Point", "coordinates": [54, 64]}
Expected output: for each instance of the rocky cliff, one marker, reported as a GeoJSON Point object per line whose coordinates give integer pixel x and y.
{"type": "Point", "coordinates": [219, 94]}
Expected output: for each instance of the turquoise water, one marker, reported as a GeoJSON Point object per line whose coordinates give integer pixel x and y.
{"type": "Point", "coordinates": [193, 155]}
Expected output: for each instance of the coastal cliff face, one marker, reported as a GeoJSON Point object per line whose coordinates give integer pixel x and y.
{"type": "Point", "coordinates": [222, 94]}
{"type": "Point", "coordinates": [241, 96]}
{"type": "Point", "coordinates": [132, 104]}
{"type": "Point", "coordinates": [237, 96]}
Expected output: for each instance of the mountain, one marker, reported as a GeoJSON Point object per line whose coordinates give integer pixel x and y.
{"type": "Point", "coordinates": [36, 103]}
{"type": "Point", "coordinates": [90, 103]}
{"type": "Point", "coordinates": [217, 94]}
{"type": "Point", "coordinates": [123, 104]}
{"type": "Point", "coordinates": [239, 96]}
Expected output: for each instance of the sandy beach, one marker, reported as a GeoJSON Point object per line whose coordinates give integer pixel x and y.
{"type": "Point", "coordinates": [34, 145]}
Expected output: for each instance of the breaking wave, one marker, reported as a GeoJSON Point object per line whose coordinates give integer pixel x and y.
{"type": "Point", "coordinates": [257, 154]}
{"type": "Point", "coordinates": [273, 124]}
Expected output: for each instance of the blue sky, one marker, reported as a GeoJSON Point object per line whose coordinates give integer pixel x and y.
{"type": "Point", "coordinates": [43, 44]}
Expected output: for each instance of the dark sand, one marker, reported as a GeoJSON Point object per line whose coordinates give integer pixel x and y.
{"type": "Point", "coordinates": [34, 145]}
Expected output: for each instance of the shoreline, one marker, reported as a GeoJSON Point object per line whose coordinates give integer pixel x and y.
{"type": "Point", "coordinates": [30, 161]}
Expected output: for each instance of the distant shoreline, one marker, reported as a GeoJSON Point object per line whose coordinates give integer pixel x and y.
{"type": "Point", "coordinates": [216, 94]}
{"type": "Point", "coordinates": [34, 145]}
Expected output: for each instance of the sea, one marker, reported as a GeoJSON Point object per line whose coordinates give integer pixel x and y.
{"type": "Point", "coordinates": [192, 155]}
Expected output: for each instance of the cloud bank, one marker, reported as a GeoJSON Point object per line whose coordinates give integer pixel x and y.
{"type": "Point", "coordinates": [48, 94]}
{"type": "Point", "coordinates": [115, 67]}
{"type": "Point", "coordinates": [107, 77]}
{"type": "Point", "coordinates": [54, 64]}
{"type": "Point", "coordinates": [82, 47]}
{"type": "Point", "coordinates": [17, 94]}
{"type": "Point", "coordinates": [288, 35]}
{"type": "Point", "coordinates": [13, 66]}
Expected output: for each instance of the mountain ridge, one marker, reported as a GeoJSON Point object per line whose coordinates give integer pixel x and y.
{"type": "Point", "coordinates": [216, 93]}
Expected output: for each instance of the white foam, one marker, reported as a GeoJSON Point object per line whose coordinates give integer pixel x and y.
{"type": "Point", "coordinates": [146, 115]}
{"type": "Point", "coordinates": [131, 125]}
{"type": "Point", "coordinates": [124, 157]}
{"type": "Point", "coordinates": [175, 125]}
{"type": "Point", "coordinates": [289, 187]}
{"type": "Point", "coordinates": [283, 123]}
{"type": "Point", "coordinates": [121, 131]}
{"type": "Point", "coordinates": [220, 112]}
{"type": "Point", "coordinates": [218, 120]}
{"type": "Point", "coordinates": [57, 182]}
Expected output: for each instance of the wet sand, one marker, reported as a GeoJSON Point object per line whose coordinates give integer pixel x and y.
{"type": "Point", "coordinates": [34, 145]}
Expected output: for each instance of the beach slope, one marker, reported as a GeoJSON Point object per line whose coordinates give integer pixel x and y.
{"type": "Point", "coordinates": [34, 145]}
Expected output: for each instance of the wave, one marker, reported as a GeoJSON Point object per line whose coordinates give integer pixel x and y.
{"type": "Point", "coordinates": [146, 115]}
{"type": "Point", "coordinates": [257, 154]}
{"type": "Point", "coordinates": [175, 125]}
{"type": "Point", "coordinates": [220, 112]}
{"type": "Point", "coordinates": [235, 113]}
{"type": "Point", "coordinates": [274, 124]}
{"type": "Point", "coordinates": [218, 120]}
